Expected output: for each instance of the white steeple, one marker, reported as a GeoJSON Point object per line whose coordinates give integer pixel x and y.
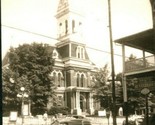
{"type": "Point", "coordinates": [70, 20]}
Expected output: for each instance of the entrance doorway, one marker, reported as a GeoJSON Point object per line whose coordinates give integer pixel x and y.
{"type": "Point", "coordinates": [82, 103]}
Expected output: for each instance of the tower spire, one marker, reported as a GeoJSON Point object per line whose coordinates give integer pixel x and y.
{"type": "Point", "coordinates": [63, 7]}
{"type": "Point", "coordinates": [70, 20]}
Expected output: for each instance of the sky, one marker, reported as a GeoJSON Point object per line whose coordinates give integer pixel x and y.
{"type": "Point", "coordinates": [27, 21]}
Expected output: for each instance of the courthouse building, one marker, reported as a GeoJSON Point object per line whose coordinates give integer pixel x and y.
{"type": "Point", "coordinates": [72, 71]}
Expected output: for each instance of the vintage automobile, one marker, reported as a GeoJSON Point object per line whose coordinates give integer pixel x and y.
{"type": "Point", "coordinates": [151, 120]}
{"type": "Point", "coordinates": [138, 121]}
{"type": "Point", "coordinates": [76, 122]}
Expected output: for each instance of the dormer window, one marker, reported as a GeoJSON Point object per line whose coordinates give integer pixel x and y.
{"type": "Point", "coordinates": [80, 52]}
{"type": "Point", "coordinates": [55, 54]}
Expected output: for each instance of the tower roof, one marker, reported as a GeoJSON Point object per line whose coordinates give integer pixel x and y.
{"type": "Point", "coordinates": [63, 5]}
{"type": "Point", "coordinates": [66, 6]}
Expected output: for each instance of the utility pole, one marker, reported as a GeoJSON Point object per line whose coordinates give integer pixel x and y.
{"type": "Point", "coordinates": [112, 66]}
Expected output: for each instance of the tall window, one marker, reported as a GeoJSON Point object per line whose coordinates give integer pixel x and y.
{"type": "Point", "coordinates": [60, 29]}
{"type": "Point", "coordinates": [54, 77]}
{"type": "Point", "coordinates": [80, 52]}
{"type": "Point", "coordinates": [78, 80]}
{"type": "Point", "coordinates": [73, 26]}
{"type": "Point", "coordinates": [66, 26]}
{"type": "Point", "coordinates": [59, 80]}
{"type": "Point", "coordinates": [82, 80]}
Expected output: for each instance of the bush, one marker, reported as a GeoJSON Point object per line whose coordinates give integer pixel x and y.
{"type": "Point", "coordinates": [38, 110]}
{"type": "Point", "coordinates": [58, 109]}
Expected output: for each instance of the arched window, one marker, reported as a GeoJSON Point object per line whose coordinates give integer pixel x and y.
{"type": "Point", "coordinates": [73, 26]}
{"type": "Point", "coordinates": [59, 80]}
{"type": "Point", "coordinates": [66, 26]}
{"type": "Point", "coordinates": [82, 80]}
{"type": "Point", "coordinates": [78, 80]}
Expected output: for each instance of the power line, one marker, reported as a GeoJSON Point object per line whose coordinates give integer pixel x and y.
{"type": "Point", "coordinates": [55, 38]}
{"type": "Point", "coordinates": [30, 32]}
{"type": "Point", "coordinates": [102, 51]}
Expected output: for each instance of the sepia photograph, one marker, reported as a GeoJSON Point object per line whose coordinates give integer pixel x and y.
{"type": "Point", "coordinates": [78, 62]}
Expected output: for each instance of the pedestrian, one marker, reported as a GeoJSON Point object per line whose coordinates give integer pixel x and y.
{"type": "Point", "coordinates": [152, 120]}
{"type": "Point", "coordinates": [45, 117]}
{"type": "Point", "coordinates": [54, 120]}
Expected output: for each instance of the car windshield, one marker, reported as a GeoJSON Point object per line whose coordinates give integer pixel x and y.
{"type": "Point", "coordinates": [78, 117]}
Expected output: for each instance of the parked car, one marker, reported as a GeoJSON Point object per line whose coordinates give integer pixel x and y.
{"type": "Point", "coordinates": [78, 116]}
{"type": "Point", "coordinates": [138, 121]}
{"type": "Point", "coordinates": [134, 120]}
{"type": "Point", "coordinates": [151, 120]}
{"type": "Point", "coordinates": [130, 122]}
{"type": "Point", "coordinates": [76, 122]}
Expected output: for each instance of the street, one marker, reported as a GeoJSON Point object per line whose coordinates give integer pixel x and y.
{"type": "Point", "coordinates": [40, 121]}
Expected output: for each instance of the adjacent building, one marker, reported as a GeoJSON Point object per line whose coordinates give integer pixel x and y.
{"type": "Point", "coordinates": [141, 70]}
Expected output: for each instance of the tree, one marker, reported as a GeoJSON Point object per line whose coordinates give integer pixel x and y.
{"type": "Point", "coordinates": [101, 87]}
{"type": "Point", "coordinates": [135, 98]}
{"type": "Point", "coordinates": [30, 67]}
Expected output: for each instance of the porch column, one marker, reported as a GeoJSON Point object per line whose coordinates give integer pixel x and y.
{"type": "Point", "coordinates": [72, 102]}
{"type": "Point", "coordinates": [91, 107]}
{"type": "Point", "coordinates": [77, 109]}
{"type": "Point", "coordinates": [144, 59]}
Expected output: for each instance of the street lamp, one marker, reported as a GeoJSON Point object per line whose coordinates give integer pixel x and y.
{"type": "Point", "coordinates": [108, 108]}
{"type": "Point", "coordinates": [145, 92]}
{"type": "Point", "coordinates": [22, 95]}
